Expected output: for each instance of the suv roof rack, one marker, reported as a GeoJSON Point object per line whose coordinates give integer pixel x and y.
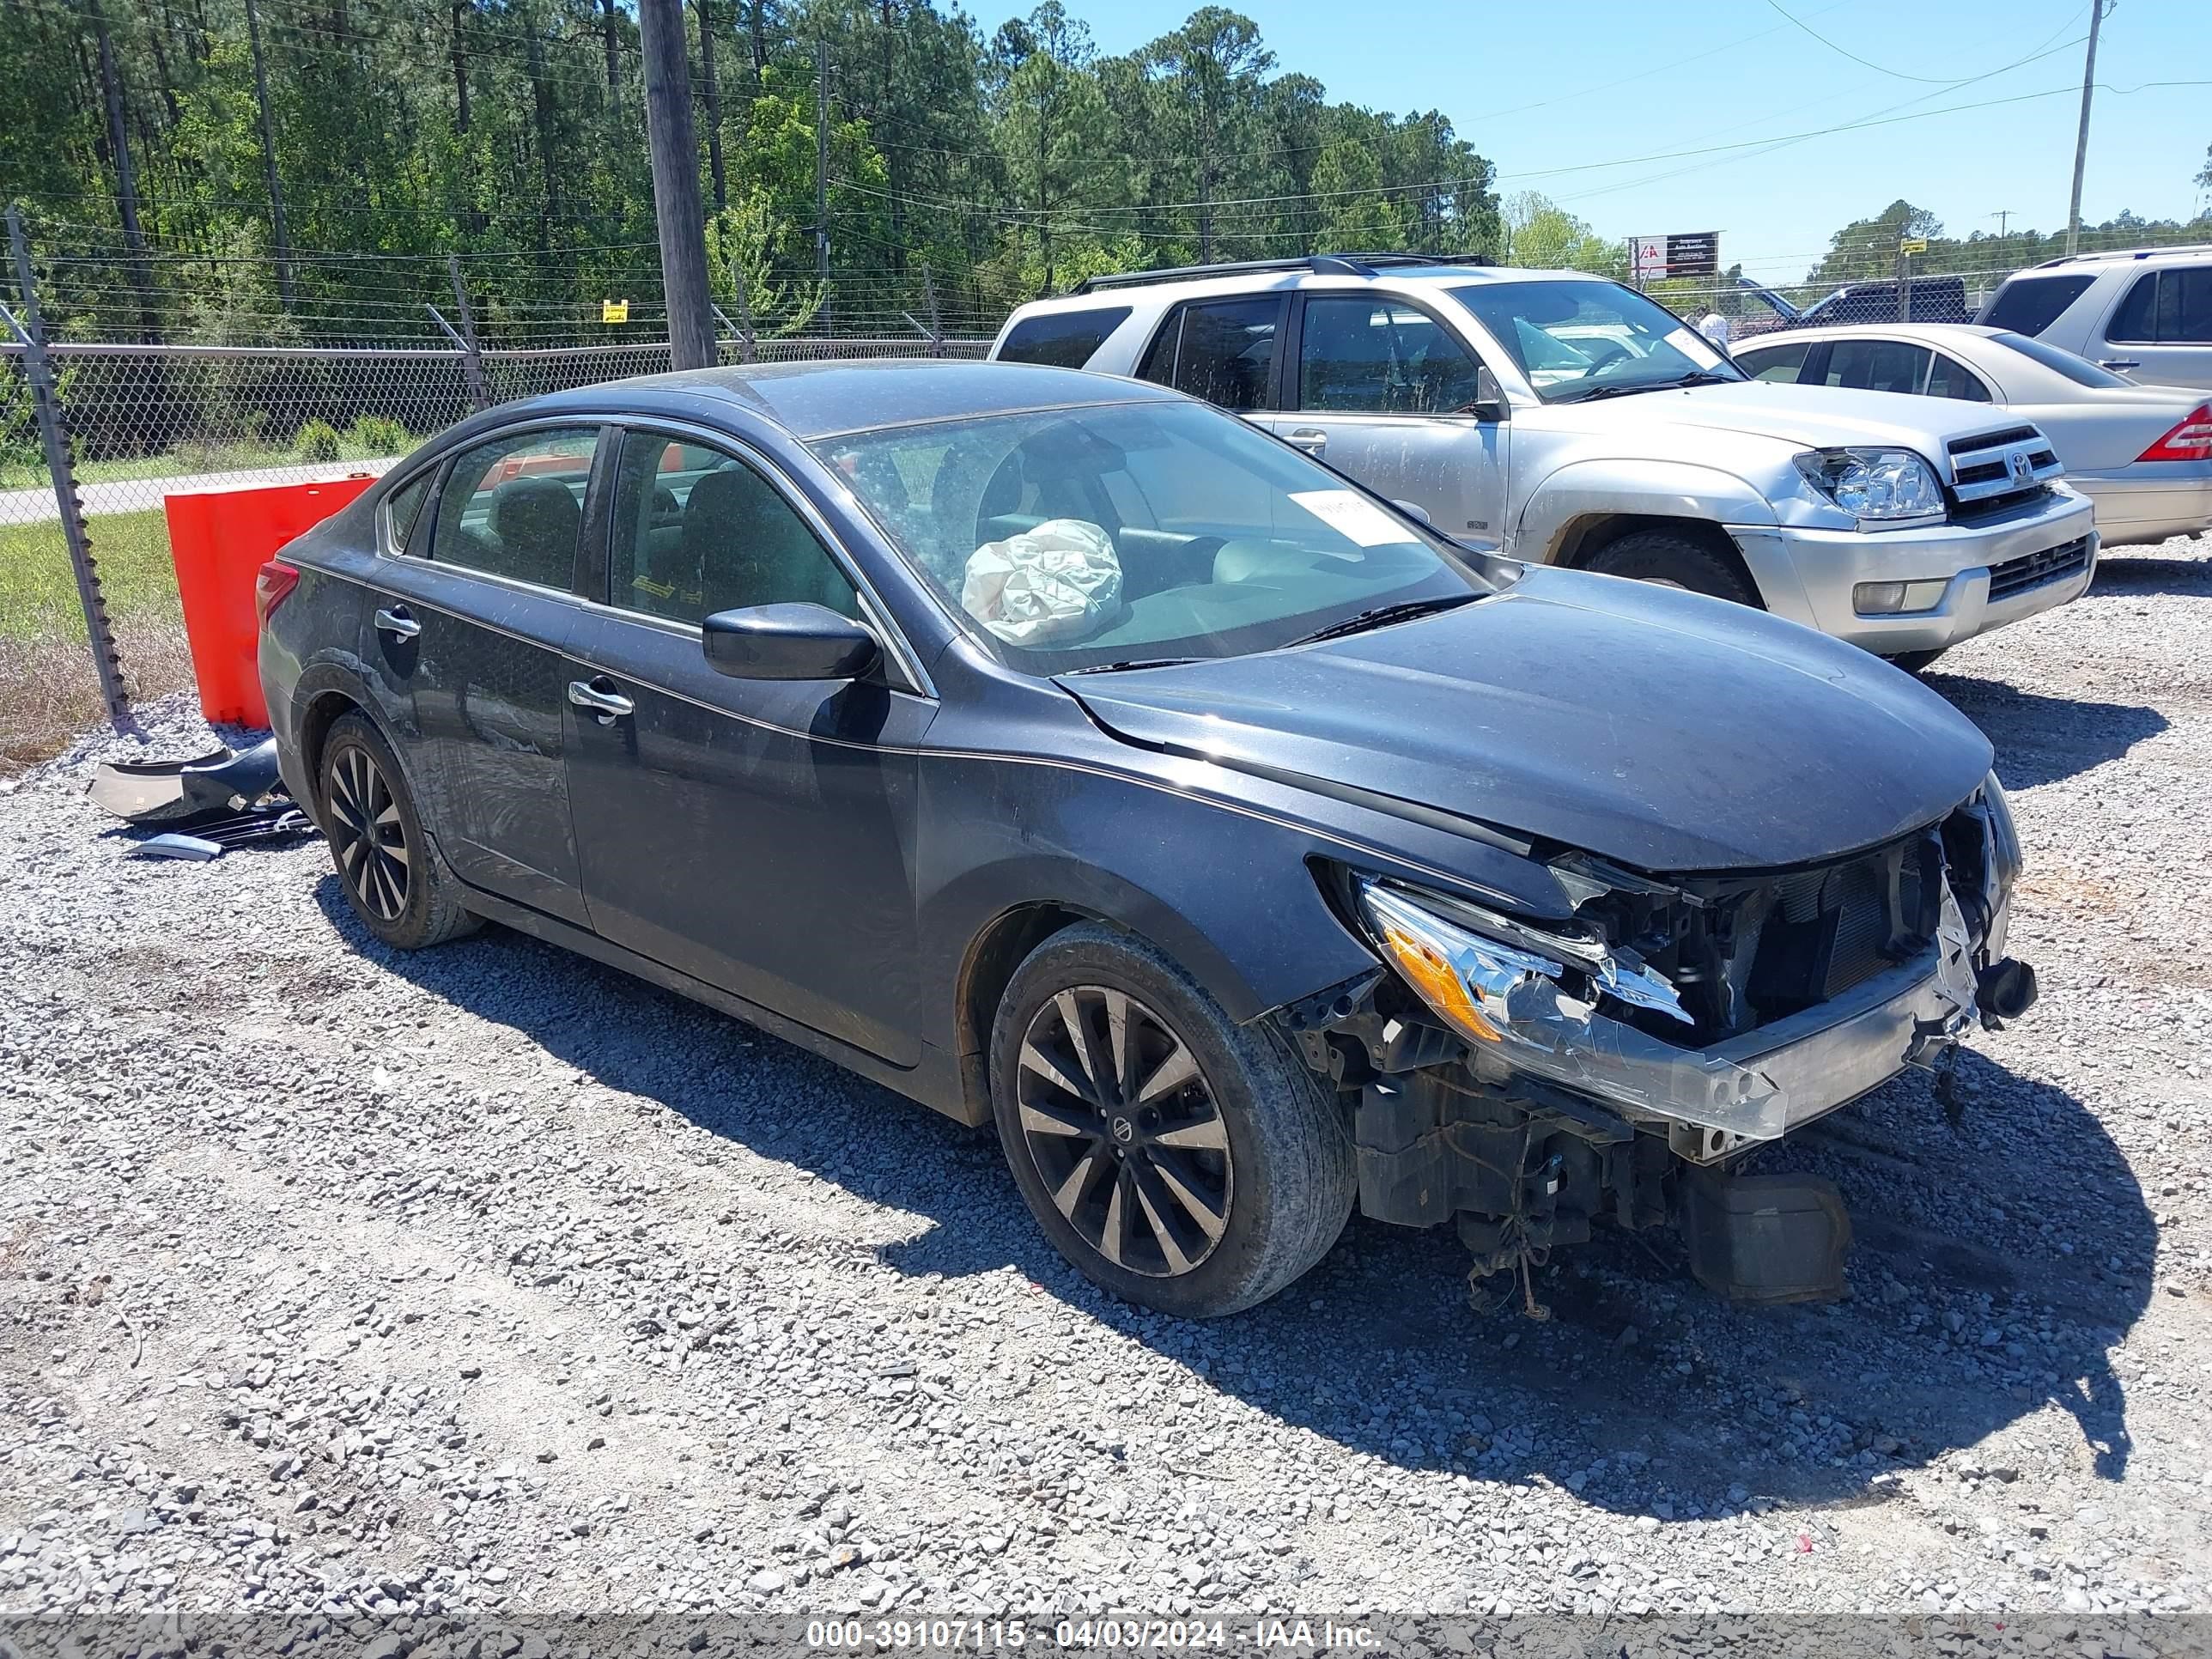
{"type": "Point", "coordinates": [1322, 264]}
{"type": "Point", "coordinates": [2125, 253]}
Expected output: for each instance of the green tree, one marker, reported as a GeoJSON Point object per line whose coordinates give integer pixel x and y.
{"type": "Point", "coordinates": [1540, 235]}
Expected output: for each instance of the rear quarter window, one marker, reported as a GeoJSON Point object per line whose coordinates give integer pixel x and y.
{"type": "Point", "coordinates": [1061, 339]}
{"type": "Point", "coordinates": [2028, 305]}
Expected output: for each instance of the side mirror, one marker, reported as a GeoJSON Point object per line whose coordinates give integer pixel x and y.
{"type": "Point", "coordinates": [789, 642]}
{"type": "Point", "coordinates": [1414, 511]}
{"type": "Point", "coordinates": [1489, 403]}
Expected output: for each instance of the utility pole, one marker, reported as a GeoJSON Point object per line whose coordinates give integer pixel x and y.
{"type": "Point", "coordinates": [284, 246]}
{"type": "Point", "coordinates": [822, 174]}
{"type": "Point", "coordinates": [2082, 134]}
{"type": "Point", "coordinates": [2004, 217]}
{"type": "Point", "coordinates": [676, 207]}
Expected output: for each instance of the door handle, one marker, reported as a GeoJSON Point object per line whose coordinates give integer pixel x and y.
{"type": "Point", "coordinates": [2116, 364]}
{"type": "Point", "coordinates": [1312, 440]}
{"type": "Point", "coordinates": [608, 705]}
{"type": "Point", "coordinates": [396, 622]}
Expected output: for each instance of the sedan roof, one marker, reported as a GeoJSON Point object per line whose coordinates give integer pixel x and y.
{"type": "Point", "coordinates": [814, 399]}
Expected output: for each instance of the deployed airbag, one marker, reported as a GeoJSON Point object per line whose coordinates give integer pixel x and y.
{"type": "Point", "coordinates": [1060, 581]}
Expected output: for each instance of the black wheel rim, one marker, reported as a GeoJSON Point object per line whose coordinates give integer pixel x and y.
{"type": "Point", "coordinates": [1120, 1122]}
{"type": "Point", "coordinates": [367, 836]}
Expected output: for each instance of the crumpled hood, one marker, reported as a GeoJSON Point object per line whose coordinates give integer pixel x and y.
{"type": "Point", "coordinates": [1663, 730]}
{"type": "Point", "coordinates": [1807, 416]}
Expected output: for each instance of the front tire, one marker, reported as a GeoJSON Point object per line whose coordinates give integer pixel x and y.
{"type": "Point", "coordinates": [392, 877]}
{"type": "Point", "coordinates": [1179, 1160]}
{"type": "Point", "coordinates": [1912, 662]}
{"type": "Point", "coordinates": [1674, 560]}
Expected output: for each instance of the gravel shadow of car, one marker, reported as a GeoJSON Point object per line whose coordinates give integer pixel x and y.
{"type": "Point", "coordinates": [2041, 739]}
{"type": "Point", "coordinates": [1639, 1390]}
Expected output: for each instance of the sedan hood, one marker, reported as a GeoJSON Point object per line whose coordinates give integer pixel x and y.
{"type": "Point", "coordinates": [1660, 729]}
{"type": "Point", "coordinates": [1808, 417]}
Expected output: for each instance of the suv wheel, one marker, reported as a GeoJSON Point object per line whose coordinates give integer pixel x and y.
{"type": "Point", "coordinates": [1674, 560]}
{"type": "Point", "coordinates": [1179, 1160]}
{"type": "Point", "coordinates": [392, 877]}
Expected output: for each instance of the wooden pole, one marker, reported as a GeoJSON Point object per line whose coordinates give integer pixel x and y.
{"type": "Point", "coordinates": [676, 203]}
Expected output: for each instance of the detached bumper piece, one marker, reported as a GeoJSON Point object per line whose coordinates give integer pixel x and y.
{"type": "Point", "coordinates": [224, 799]}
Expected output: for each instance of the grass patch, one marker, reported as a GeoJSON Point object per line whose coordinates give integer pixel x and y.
{"type": "Point", "coordinates": [48, 691]}
{"type": "Point", "coordinates": [38, 590]}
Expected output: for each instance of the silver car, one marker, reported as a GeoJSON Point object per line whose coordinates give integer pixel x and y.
{"type": "Point", "coordinates": [1574, 422]}
{"type": "Point", "coordinates": [2142, 454]}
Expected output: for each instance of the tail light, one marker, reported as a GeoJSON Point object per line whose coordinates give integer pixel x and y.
{"type": "Point", "coordinates": [2190, 442]}
{"type": "Point", "coordinates": [272, 584]}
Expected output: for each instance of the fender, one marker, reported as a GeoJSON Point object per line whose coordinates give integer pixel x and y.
{"type": "Point", "coordinates": [1605, 486]}
{"type": "Point", "coordinates": [1082, 840]}
{"type": "Point", "coordinates": [1662, 488]}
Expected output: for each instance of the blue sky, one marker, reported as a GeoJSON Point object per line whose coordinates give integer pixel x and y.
{"type": "Point", "coordinates": [1556, 93]}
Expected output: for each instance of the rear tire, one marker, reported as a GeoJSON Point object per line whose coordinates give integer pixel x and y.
{"type": "Point", "coordinates": [392, 877]}
{"type": "Point", "coordinates": [1675, 560]}
{"type": "Point", "coordinates": [1179, 1160]}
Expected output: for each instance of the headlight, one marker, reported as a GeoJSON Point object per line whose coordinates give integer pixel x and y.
{"type": "Point", "coordinates": [1520, 1002]}
{"type": "Point", "coordinates": [1876, 484]}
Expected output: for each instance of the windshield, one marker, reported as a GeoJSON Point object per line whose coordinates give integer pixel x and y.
{"type": "Point", "coordinates": [1576, 340]}
{"type": "Point", "coordinates": [2080, 370]}
{"type": "Point", "coordinates": [1080, 538]}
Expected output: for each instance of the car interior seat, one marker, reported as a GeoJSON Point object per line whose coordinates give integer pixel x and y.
{"type": "Point", "coordinates": [536, 522]}
{"type": "Point", "coordinates": [752, 550]}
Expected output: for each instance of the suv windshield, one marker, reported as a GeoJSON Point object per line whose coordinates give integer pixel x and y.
{"type": "Point", "coordinates": [1130, 533]}
{"type": "Point", "coordinates": [1576, 340]}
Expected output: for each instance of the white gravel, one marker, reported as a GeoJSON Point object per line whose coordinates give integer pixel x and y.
{"type": "Point", "coordinates": [489, 1280]}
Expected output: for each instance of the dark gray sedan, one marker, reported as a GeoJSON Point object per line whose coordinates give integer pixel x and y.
{"type": "Point", "coordinates": [1059, 751]}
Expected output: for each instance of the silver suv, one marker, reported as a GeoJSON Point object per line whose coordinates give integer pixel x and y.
{"type": "Point", "coordinates": [1574, 422]}
{"type": "Point", "coordinates": [2146, 314]}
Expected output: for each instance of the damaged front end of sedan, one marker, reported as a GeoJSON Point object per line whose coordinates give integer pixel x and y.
{"type": "Point", "coordinates": [1524, 1081]}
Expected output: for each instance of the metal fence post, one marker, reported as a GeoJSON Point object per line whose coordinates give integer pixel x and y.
{"type": "Point", "coordinates": [45, 400]}
{"type": "Point", "coordinates": [472, 358]}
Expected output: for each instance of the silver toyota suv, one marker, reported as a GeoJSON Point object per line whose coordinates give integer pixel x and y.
{"type": "Point", "coordinates": [1575, 421]}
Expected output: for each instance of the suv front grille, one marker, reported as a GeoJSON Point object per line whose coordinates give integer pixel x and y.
{"type": "Point", "coordinates": [2033, 570]}
{"type": "Point", "coordinates": [1993, 470]}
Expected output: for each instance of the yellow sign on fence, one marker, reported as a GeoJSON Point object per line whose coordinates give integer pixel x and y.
{"type": "Point", "coordinates": [616, 311]}
{"type": "Point", "coordinates": [1913, 245]}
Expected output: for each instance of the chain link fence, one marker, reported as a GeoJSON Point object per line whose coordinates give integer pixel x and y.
{"type": "Point", "coordinates": [142, 422]}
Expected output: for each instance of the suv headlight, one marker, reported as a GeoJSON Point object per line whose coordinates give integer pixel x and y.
{"type": "Point", "coordinates": [1532, 1001]}
{"type": "Point", "coordinates": [1880, 485]}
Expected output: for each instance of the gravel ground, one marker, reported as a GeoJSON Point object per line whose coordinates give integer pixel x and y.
{"type": "Point", "coordinates": [488, 1280]}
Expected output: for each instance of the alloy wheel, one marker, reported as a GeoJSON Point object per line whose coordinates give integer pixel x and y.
{"type": "Point", "coordinates": [1120, 1123]}
{"type": "Point", "coordinates": [367, 835]}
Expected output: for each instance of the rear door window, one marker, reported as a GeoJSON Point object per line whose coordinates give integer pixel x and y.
{"type": "Point", "coordinates": [1222, 350]}
{"type": "Point", "coordinates": [2028, 305]}
{"type": "Point", "coordinates": [1878, 366]}
{"type": "Point", "coordinates": [2166, 307]}
{"type": "Point", "coordinates": [514, 506]}
{"type": "Point", "coordinates": [1064, 339]}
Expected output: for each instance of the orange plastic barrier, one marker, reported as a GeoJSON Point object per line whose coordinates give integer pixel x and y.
{"type": "Point", "coordinates": [219, 538]}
